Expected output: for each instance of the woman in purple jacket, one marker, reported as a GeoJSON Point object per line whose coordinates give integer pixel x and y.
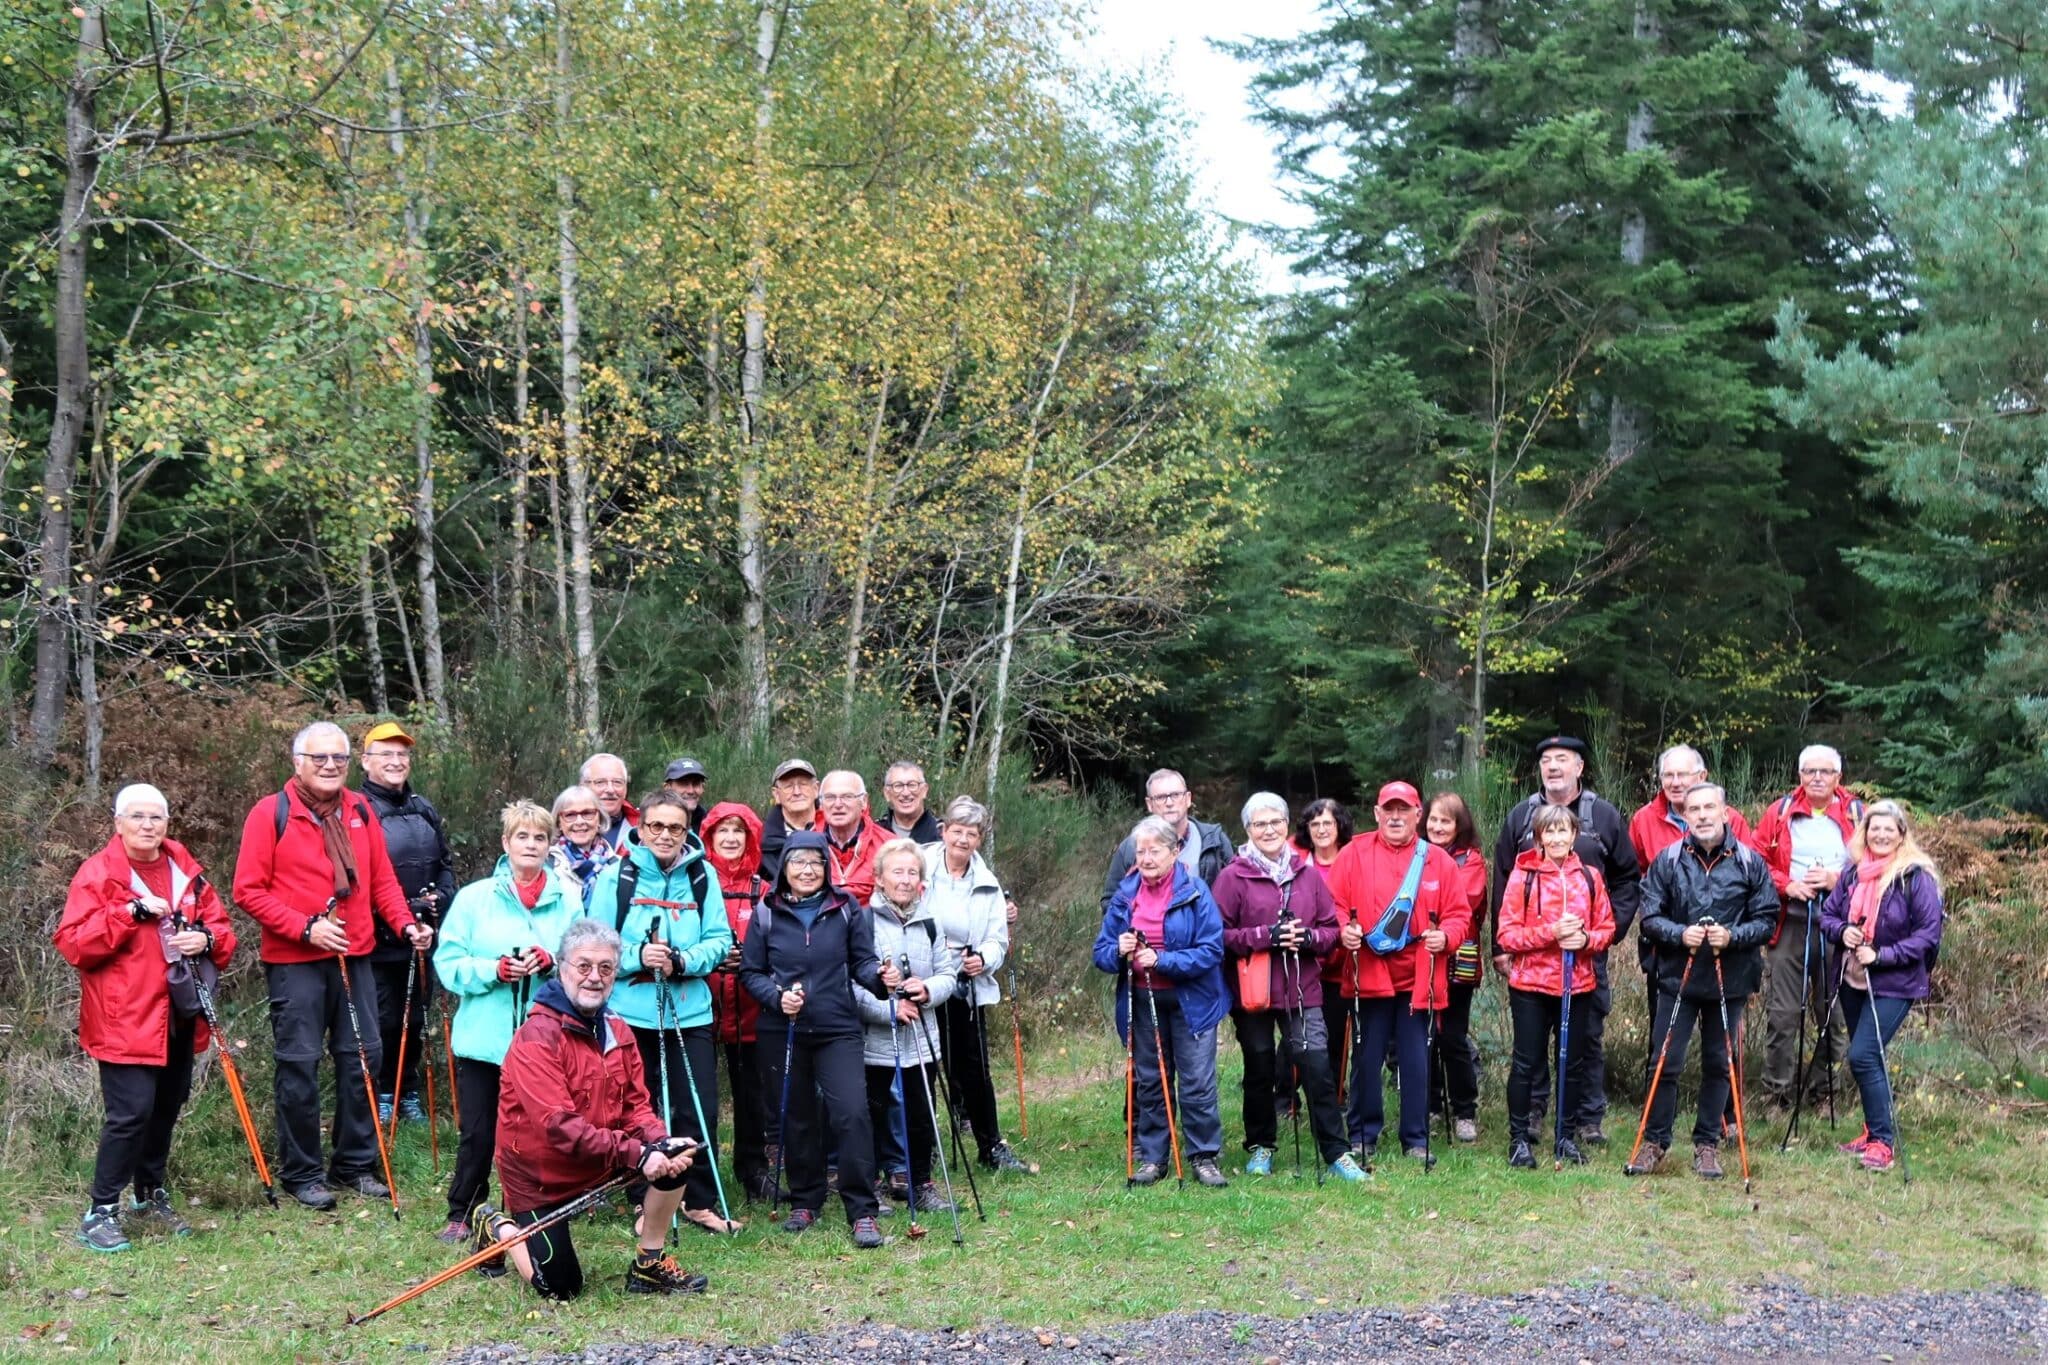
{"type": "Point", "coordinates": [1885, 913]}
{"type": "Point", "coordinates": [1278, 923]}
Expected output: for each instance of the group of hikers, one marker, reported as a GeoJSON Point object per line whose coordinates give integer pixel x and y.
{"type": "Point", "coordinates": [843, 961]}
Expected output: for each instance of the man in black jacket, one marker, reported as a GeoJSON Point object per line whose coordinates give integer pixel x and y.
{"type": "Point", "coordinates": [1204, 848]}
{"type": "Point", "coordinates": [1603, 846]}
{"type": "Point", "coordinates": [1708, 907]}
{"type": "Point", "coordinates": [418, 845]}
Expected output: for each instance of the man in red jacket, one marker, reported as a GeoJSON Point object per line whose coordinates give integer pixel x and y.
{"type": "Point", "coordinates": [854, 836]}
{"type": "Point", "coordinates": [311, 872]}
{"type": "Point", "coordinates": [573, 1110]}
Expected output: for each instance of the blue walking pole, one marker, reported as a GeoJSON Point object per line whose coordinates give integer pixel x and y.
{"type": "Point", "coordinates": [1564, 1037]}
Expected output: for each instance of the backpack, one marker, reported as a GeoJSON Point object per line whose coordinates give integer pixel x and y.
{"type": "Point", "coordinates": [1524, 815]}
{"type": "Point", "coordinates": [629, 881]}
{"type": "Point", "coordinates": [1529, 886]}
{"type": "Point", "coordinates": [1396, 924]}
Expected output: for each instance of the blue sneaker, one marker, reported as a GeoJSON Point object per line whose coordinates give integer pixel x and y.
{"type": "Point", "coordinates": [100, 1229]}
{"type": "Point", "coordinates": [1260, 1162]}
{"type": "Point", "coordinates": [1346, 1167]}
{"type": "Point", "coordinates": [383, 1111]}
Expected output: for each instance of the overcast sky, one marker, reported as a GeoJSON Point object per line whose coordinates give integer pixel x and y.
{"type": "Point", "coordinates": [1233, 155]}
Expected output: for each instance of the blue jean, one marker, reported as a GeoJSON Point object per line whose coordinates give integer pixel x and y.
{"type": "Point", "coordinates": [1866, 1058]}
{"type": "Point", "coordinates": [1384, 1024]}
{"type": "Point", "coordinates": [1191, 1061]}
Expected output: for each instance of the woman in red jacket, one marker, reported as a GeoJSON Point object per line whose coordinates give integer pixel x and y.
{"type": "Point", "coordinates": [1553, 904]}
{"type": "Point", "coordinates": [1449, 826]}
{"type": "Point", "coordinates": [732, 845]}
{"type": "Point", "coordinates": [135, 907]}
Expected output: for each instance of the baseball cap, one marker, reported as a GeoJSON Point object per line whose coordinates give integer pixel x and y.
{"type": "Point", "coordinates": [1399, 791]}
{"type": "Point", "coordinates": [682, 768]}
{"type": "Point", "coordinates": [390, 730]}
{"type": "Point", "coordinates": [794, 765]}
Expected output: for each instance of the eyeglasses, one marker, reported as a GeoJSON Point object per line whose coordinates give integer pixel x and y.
{"type": "Point", "coordinates": [1163, 797]}
{"type": "Point", "coordinates": [662, 827]}
{"type": "Point", "coordinates": [799, 864]}
{"type": "Point", "coordinates": [391, 755]}
{"type": "Point", "coordinates": [1258, 825]}
{"type": "Point", "coordinates": [603, 970]}
{"type": "Point", "coordinates": [339, 760]}
{"type": "Point", "coordinates": [590, 814]}
{"type": "Point", "coordinates": [910, 786]}
{"type": "Point", "coordinates": [838, 798]}
{"type": "Point", "coordinates": [144, 817]}
{"type": "Point", "coordinates": [1819, 772]}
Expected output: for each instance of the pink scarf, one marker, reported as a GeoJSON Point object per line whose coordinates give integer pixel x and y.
{"type": "Point", "coordinates": [1863, 903]}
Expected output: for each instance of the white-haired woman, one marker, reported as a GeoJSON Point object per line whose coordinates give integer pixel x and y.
{"type": "Point", "coordinates": [581, 851]}
{"type": "Point", "coordinates": [134, 907]}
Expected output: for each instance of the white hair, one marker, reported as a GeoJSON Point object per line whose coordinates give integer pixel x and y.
{"type": "Point", "coordinates": [583, 773]}
{"type": "Point", "coordinates": [588, 931]}
{"type": "Point", "coordinates": [1720, 792]}
{"type": "Point", "coordinates": [318, 727]}
{"type": "Point", "coordinates": [1681, 751]}
{"type": "Point", "coordinates": [860, 783]}
{"type": "Point", "coordinates": [569, 794]}
{"type": "Point", "coordinates": [1814, 751]}
{"type": "Point", "coordinates": [1157, 830]}
{"type": "Point", "coordinates": [1259, 801]}
{"type": "Point", "coordinates": [965, 810]}
{"type": "Point", "coordinates": [135, 793]}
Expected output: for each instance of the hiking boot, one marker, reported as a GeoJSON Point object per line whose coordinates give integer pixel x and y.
{"type": "Point", "coordinates": [455, 1233]}
{"type": "Point", "coordinates": [1592, 1136]}
{"type": "Point", "coordinates": [1260, 1162]}
{"type": "Point", "coordinates": [1855, 1146]}
{"type": "Point", "coordinates": [1706, 1161]}
{"type": "Point", "coordinates": [486, 1222]}
{"type": "Point", "coordinates": [1646, 1161]}
{"type": "Point", "coordinates": [1147, 1173]}
{"type": "Point", "coordinates": [1466, 1130]}
{"type": "Point", "coordinates": [315, 1196]}
{"type": "Point", "coordinates": [409, 1109]}
{"type": "Point", "coordinates": [369, 1186]}
{"type": "Point", "coordinates": [1569, 1153]}
{"type": "Point", "coordinates": [761, 1188]}
{"type": "Point", "coordinates": [1209, 1173]}
{"type": "Point", "coordinates": [383, 1111]}
{"type": "Point", "coordinates": [1423, 1155]}
{"type": "Point", "coordinates": [799, 1219]}
{"type": "Point", "coordinates": [654, 1272]}
{"type": "Point", "coordinates": [1003, 1161]}
{"type": "Point", "coordinates": [883, 1208]}
{"type": "Point", "coordinates": [100, 1229]}
{"type": "Point", "coordinates": [156, 1214]}
{"type": "Point", "coordinates": [866, 1235]}
{"type": "Point", "coordinates": [1877, 1157]}
{"type": "Point", "coordinates": [930, 1199]}
{"type": "Point", "coordinates": [832, 1179]}
{"type": "Point", "coordinates": [1347, 1168]}
{"type": "Point", "coordinates": [1521, 1158]}
{"type": "Point", "coordinates": [899, 1186]}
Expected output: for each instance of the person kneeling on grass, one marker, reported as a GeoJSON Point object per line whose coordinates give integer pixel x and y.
{"type": "Point", "coordinates": [573, 1110]}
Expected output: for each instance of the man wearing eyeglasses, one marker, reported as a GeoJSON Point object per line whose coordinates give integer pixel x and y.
{"type": "Point", "coordinates": [605, 775]}
{"type": "Point", "coordinates": [906, 791]}
{"type": "Point", "coordinates": [313, 873]}
{"type": "Point", "coordinates": [853, 838]}
{"type": "Point", "coordinates": [417, 843]}
{"type": "Point", "coordinates": [1804, 837]}
{"type": "Point", "coordinates": [793, 806]}
{"type": "Point", "coordinates": [1204, 849]}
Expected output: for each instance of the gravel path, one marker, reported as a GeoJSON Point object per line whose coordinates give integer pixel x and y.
{"type": "Point", "coordinates": [1598, 1324]}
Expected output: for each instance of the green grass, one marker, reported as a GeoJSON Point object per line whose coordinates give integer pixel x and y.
{"type": "Point", "coordinates": [1068, 1249]}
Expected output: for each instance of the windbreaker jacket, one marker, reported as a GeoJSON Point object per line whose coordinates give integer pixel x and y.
{"type": "Point", "coordinates": [734, 1010]}
{"type": "Point", "coordinates": [284, 883]}
{"type": "Point", "coordinates": [931, 961]}
{"type": "Point", "coordinates": [852, 870]}
{"type": "Point", "coordinates": [1191, 956]}
{"type": "Point", "coordinates": [667, 901]}
{"type": "Point", "coordinates": [1603, 846]}
{"type": "Point", "coordinates": [417, 843]}
{"type": "Point", "coordinates": [832, 957]}
{"type": "Point", "coordinates": [573, 1106]}
{"type": "Point", "coordinates": [1655, 827]}
{"type": "Point", "coordinates": [489, 921]}
{"type": "Point", "coordinates": [1774, 831]}
{"type": "Point", "coordinates": [124, 1002]}
{"type": "Point", "coordinates": [1249, 901]}
{"type": "Point", "coordinates": [1215, 853]}
{"type": "Point", "coordinates": [1471, 864]}
{"type": "Point", "coordinates": [972, 912]}
{"type": "Point", "coordinates": [1363, 881]}
{"type": "Point", "coordinates": [1728, 884]}
{"type": "Point", "coordinates": [1539, 893]}
{"type": "Point", "coordinates": [579, 867]}
{"type": "Point", "coordinates": [1908, 931]}
{"type": "Point", "coordinates": [618, 831]}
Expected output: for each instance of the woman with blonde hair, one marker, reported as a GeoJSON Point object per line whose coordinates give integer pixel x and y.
{"type": "Point", "coordinates": [1885, 914]}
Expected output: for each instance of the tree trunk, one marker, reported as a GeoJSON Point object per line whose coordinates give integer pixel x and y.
{"type": "Point", "coordinates": [74, 376]}
{"type": "Point", "coordinates": [373, 641]}
{"type": "Point", "coordinates": [753, 383]}
{"type": "Point", "coordinates": [522, 458]}
{"type": "Point", "coordinates": [1475, 38]}
{"type": "Point", "coordinates": [561, 579]}
{"type": "Point", "coordinates": [412, 667]}
{"type": "Point", "coordinates": [866, 518]}
{"type": "Point", "coordinates": [585, 715]}
{"type": "Point", "coordinates": [1629, 423]}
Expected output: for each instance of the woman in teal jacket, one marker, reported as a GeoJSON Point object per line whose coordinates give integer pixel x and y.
{"type": "Point", "coordinates": [663, 898]}
{"type": "Point", "coordinates": [497, 944]}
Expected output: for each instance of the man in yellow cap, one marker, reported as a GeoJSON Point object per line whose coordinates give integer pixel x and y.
{"type": "Point", "coordinates": [418, 844]}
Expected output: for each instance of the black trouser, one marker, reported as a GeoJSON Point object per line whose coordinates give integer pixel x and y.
{"type": "Point", "coordinates": [309, 1014]}
{"type": "Point", "coordinates": [1306, 1061]}
{"type": "Point", "coordinates": [914, 1116]}
{"type": "Point", "coordinates": [751, 1118]}
{"type": "Point", "coordinates": [964, 1045]}
{"type": "Point", "coordinates": [1337, 1027]}
{"type": "Point", "coordinates": [557, 1273]}
{"type": "Point", "coordinates": [1588, 1089]}
{"type": "Point", "coordinates": [391, 979]}
{"type": "Point", "coordinates": [1536, 1025]}
{"type": "Point", "coordinates": [1714, 1090]}
{"type": "Point", "coordinates": [1456, 1066]}
{"type": "Point", "coordinates": [680, 1116]}
{"type": "Point", "coordinates": [476, 1085]}
{"type": "Point", "coordinates": [827, 1089]}
{"type": "Point", "coordinates": [142, 1104]}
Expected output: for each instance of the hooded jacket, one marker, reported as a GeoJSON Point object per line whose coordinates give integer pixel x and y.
{"type": "Point", "coordinates": [284, 882]}
{"type": "Point", "coordinates": [1907, 935]}
{"type": "Point", "coordinates": [917, 936]}
{"type": "Point", "coordinates": [1728, 884]}
{"type": "Point", "coordinates": [742, 886]}
{"type": "Point", "coordinates": [417, 843]}
{"type": "Point", "coordinates": [663, 903]}
{"type": "Point", "coordinates": [1603, 846]}
{"type": "Point", "coordinates": [1539, 892]}
{"type": "Point", "coordinates": [972, 912]}
{"type": "Point", "coordinates": [487, 922]}
{"type": "Point", "coordinates": [1210, 839]}
{"type": "Point", "coordinates": [1774, 836]}
{"type": "Point", "coordinates": [1190, 951]}
{"type": "Point", "coordinates": [573, 1106]}
{"type": "Point", "coordinates": [1249, 901]}
{"type": "Point", "coordinates": [852, 870]}
{"type": "Point", "coordinates": [124, 1000]}
{"type": "Point", "coordinates": [831, 955]}
{"type": "Point", "coordinates": [1364, 881]}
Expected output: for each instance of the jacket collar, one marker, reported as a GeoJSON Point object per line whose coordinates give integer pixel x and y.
{"type": "Point", "coordinates": [553, 996]}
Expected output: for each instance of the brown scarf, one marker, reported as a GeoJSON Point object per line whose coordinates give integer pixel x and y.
{"type": "Point", "coordinates": [334, 833]}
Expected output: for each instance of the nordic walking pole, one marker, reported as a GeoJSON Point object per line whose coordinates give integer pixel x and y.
{"type": "Point", "coordinates": [782, 1118]}
{"type": "Point", "coordinates": [1017, 1051]}
{"type": "Point", "coordinates": [952, 1119]}
{"type": "Point", "coordinates": [427, 1062]}
{"type": "Point", "coordinates": [233, 1075]}
{"type": "Point", "coordinates": [398, 1071]}
{"type": "Point", "coordinates": [931, 1109]}
{"type": "Point", "coordinates": [448, 1054]}
{"type": "Point", "coordinates": [1429, 1057]}
{"type": "Point", "coordinates": [567, 1211]}
{"type": "Point", "coordinates": [903, 1113]}
{"type": "Point", "coordinates": [1564, 1034]}
{"type": "Point", "coordinates": [1805, 1018]}
{"type": "Point", "coordinates": [668, 1107]}
{"type": "Point", "coordinates": [710, 1137]}
{"type": "Point", "coordinates": [1165, 1090]}
{"type": "Point", "coordinates": [1670, 1022]}
{"type": "Point", "coordinates": [1884, 1063]}
{"type": "Point", "coordinates": [355, 1025]}
{"type": "Point", "coordinates": [1130, 1076]}
{"type": "Point", "coordinates": [1289, 960]}
{"type": "Point", "coordinates": [1734, 1066]}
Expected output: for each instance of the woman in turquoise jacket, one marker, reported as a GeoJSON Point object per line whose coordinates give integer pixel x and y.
{"type": "Point", "coordinates": [663, 898]}
{"type": "Point", "coordinates": [497, 945]}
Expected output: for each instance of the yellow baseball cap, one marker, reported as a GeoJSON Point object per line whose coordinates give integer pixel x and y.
{"type": "Point", "coordinates": [389, 730]}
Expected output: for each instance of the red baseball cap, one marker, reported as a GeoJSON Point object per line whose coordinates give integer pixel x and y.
{"type": "Point", "coordinates": [1399, 791]}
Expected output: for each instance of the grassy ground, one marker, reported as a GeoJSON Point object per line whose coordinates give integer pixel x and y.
{"type": "Point", "coordinates": [1069, 1248]}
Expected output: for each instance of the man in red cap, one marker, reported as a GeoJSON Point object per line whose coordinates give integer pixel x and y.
{"type": "Point", "coordinates": [1603, 845]}
{"type": "Point", "coordinates": [1397, 901]}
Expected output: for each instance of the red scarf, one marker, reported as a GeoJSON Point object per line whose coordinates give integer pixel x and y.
{"type": "Point", "coordinates": [1863, 903]}
{"type": "Point", "coordinates": [334, 834]}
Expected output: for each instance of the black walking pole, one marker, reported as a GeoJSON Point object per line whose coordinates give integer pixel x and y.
{"type": "Point", "coordinates": [782, 1120]}
{"type": "Point", "coordinates": [1799, 1056]}
{"type": "Point", "coordinates": [952, 1119]}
